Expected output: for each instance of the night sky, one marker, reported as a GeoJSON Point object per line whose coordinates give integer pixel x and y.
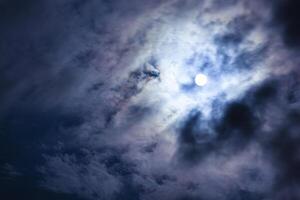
{"type": "Point", "coordinates": [100, 100]}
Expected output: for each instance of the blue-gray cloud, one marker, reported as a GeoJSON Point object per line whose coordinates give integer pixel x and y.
{"type": "Point", "coordinates": [98, 100]}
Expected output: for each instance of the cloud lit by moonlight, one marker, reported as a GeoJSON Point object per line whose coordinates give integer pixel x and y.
{"type": "Point", "coordinates": [141, 100]}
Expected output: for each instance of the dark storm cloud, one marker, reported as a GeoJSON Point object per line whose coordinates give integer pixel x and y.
{"type": "Point", "coordinates": [29, 43]}
{"type": "Point", "coordinates": [48, 48]}
{"type": "Point", "coordinates": [23, 135]}
{"type": "Point", "coordinates": [254, 117]}
{"type": "Point", "coordinates": [286, 15]}
{"type": "Point", "coordinates": [194, 142]}
{"type": "Point", "coordinates": [233, 131]}
{"type": "Point", "coordinates": [238, 119]}
{"type": "Point", "coordinates": [283, 145]}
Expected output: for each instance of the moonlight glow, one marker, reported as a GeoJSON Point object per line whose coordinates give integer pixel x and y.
{"type": "Point", "coordinates": [201, 79]}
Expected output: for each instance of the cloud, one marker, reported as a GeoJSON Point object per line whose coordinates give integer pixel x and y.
{"type": "Point", "coordinates": [99, 99]}
{"type": "Point", "coordinates": [286, 17]}
{"type": "Point", "coordinates": [90, 180]}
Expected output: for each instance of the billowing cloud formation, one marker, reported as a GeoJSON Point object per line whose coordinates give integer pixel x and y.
{"type": "Point", "coordinates": [98, 100]}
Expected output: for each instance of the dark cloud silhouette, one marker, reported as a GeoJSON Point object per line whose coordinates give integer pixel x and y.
{"type": "Point", "coordinates": [194, 142]}
{"type": "Point", "coordinates": [232, 131]}
{"type": "Point", "coordinates": [286, 15]}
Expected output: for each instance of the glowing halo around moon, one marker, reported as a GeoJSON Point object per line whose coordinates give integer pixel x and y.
{"type": "Point", "coordinates": [201, 80]}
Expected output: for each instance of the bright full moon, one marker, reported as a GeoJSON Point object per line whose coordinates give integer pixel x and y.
{"type": "Point", "coordinates": [201, 79]}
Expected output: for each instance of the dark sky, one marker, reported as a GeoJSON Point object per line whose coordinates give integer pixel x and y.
{"type": "Point", "coordinates": [98, 100]}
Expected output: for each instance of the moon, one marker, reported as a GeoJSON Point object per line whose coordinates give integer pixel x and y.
{"type": "Point", "coordinates": [201, 80]}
